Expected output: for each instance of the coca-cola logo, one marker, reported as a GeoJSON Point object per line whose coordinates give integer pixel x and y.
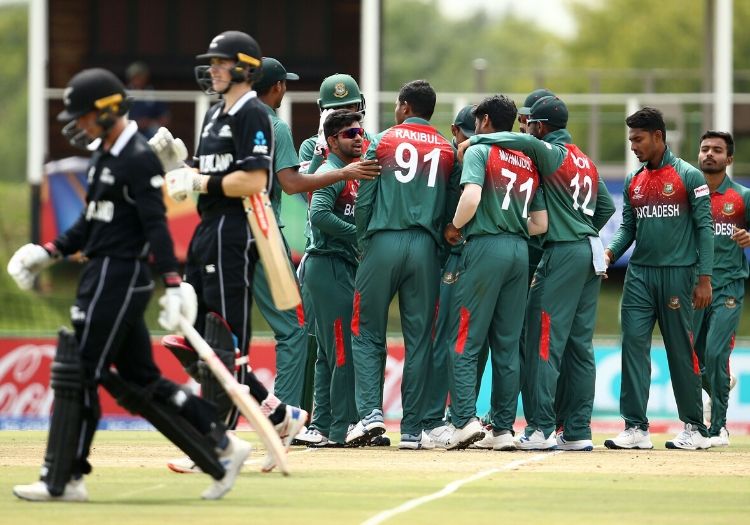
{"type": "Point", "coordinates": [24, 380]}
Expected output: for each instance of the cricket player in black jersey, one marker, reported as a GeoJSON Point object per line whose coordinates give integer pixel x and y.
{"type": "Point", "coordinates": [233, 159]}
{"type": "Point", "coordinates": [123, 221]}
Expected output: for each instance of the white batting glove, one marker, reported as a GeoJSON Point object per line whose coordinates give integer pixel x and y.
{"type": "Point", "coordinates": [171, 151]}
{"type": "Point", "coordinates": [27, 262]}
{"type": "Point", "coordinates": [321, 145]}
{"type": "Point", "coordinates": [177, 302]}
{"type": "Point", "coordinates": [181, 182]}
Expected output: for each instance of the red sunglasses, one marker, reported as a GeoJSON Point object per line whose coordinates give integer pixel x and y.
{"type": "Point", "coordinates": [352, 132]}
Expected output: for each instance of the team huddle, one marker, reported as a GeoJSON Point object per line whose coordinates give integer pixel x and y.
{"type": "Point", "coordinates": [491, 242]}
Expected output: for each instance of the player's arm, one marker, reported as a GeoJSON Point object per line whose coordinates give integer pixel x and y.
{"type": "Point", "coordinates": [472, 180]}
{"type": "Point", "coordinates": [625, 234]}
{"type": "Point", "coordinates": [538, 221]}
{"type": "Point", "coordinates": [322, 216]}
{"type": "Point", "coordinates": [740, 235]}
{"type": "Point", "coordinates": [604, 207]}
{"type": "Point", "coordinates": [546, 157]}
{"type": "Point", "coordinates": [700, 211]}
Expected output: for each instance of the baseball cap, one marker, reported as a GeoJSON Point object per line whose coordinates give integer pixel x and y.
{"type": "Point", "coordinates": [533, 97]}
{"type": "Point", "coordinates": [273, 71]}
{"type": "Point", "coordinates": [551, 110]}
{"type": "Point", "coordinates": [465, 120]}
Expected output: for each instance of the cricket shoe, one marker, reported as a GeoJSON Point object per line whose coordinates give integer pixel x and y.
{"type": "Point", "coordinates": [367, 428]}
{"type": "Point", "coordinates": [462, 437]}
{"type": "Point", "coordinates": [308, 437]}
{"type": "Point", "coordinates": [486, 442]}
{"type": "Point", "coordinates": [380, 441]}
{"type": "Point", "coordinates": [536, 441]}
{"type": "Point", "coordinates": [74, 490]}
{"type": "Point", "coordinates": [293, 422]}
{"type": "Point", "coordinates": [420, 441]}
{"type": "Point", "coordinates": [441, 436]}
{"type": "Point", "coordinates": [502, 440]}
{"type": "Point", "coordinates": [722, 440]}
{"type": "Point", "coordinates": [631, 438]}
{"type": "Point", "coordinates": [231, 458]}
{"type": "Point", "coordinates": [689, 439]}
{"type": "Point", "coordinates": [183, 466]}
{"type": "Point", "coordinates": [583, 445]}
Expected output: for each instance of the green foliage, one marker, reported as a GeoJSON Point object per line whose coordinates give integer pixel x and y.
{"type": "Point", "coordinates": [13, 91]}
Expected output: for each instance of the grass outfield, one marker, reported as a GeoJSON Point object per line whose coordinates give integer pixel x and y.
{"type": "Point", "coordinates": [130, 484]}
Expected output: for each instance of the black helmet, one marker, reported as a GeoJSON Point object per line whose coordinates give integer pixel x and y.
{"type": "Point", "coordinates": [92, 90]}
{"type": "Point", "coordinates": [232, 45]}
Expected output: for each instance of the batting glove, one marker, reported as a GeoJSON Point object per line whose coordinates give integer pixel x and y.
{"type": "Point", "coordinates": [28, 261]}
{"type": "Point", "coordinates": [321, 146]}
{"type": "Point", "coordinates": [176, 303]}
{"type": "Point", "coordinates": [181, 182]}
{"type": "Point", "coordinates": [171, 151]}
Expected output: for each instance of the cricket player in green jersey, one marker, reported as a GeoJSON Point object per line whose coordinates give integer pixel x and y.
{"type": "Point", "coordinates": [667, 212]}
{"type": "Point", "coordinates": [289, 326]}
{"type": "Point", "coordinates": [499, 208]}
{"type": "Point", "coordinates": [561, 311]}
{"type": "Point", "coordinates": [332, 259]}
{"type": "Point", "coordinates": [400, 218]}
{"type": "Point", "coordinates": [715, 326]}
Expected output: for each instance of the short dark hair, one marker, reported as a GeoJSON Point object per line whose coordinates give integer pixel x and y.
{"type": "Point", "coordinates": [420, 96]}
{"type": "Point", "coordinates": [712, 134]}
{"type": "Point", "coordinates": [648, 118]}
{"type": "Point", "coordinates": [501, 110]}
{"type": "Point", "coordinates": [263, 90]}
{"type": "Point", "coordinates": [338, 120]}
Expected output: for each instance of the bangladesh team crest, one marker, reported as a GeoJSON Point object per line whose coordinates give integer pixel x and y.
{"type": "Point", "coordinates": [339, 90]}
{"type": "Point", "coordinates": [728, 208]}
{"type": "Point", "coordinates": [674, 302]}
{"type": "Point", "coordinates": [668, 189]}
{"type": "Point", "coordinates": [730, 302]}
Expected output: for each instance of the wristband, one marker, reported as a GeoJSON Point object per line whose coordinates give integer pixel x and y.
{"type": "Point", "coordinates": [213, 187]}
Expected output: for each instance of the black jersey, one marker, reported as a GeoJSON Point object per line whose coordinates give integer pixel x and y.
{"type": "Point", "coordinates": [124, 216]}
{"type": "Point", "coordinates": [239, 139]}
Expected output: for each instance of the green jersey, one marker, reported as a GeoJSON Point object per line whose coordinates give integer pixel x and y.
{"type": "Point", "coordinates": [418, 182]}
{"type": "Point", "coordinates": [509, 182]}
{"type": "Point", "coordinates": [283, 157]}
{"type": "Point", "coordinates": [578, 203]}
{"type": "Point", "coordinates": [667, 212]}
{"type": "Point", "coordinates": [332, 216]}
{"type": "Point", "coordinates": [730, 206]}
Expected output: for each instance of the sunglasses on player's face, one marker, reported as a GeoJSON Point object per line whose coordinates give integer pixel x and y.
{"type": "Point", "coordinates": [351, 133]}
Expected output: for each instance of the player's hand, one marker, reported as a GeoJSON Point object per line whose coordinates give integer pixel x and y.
{"type": "Point", "coordinates": [741, 237]}
{"type": "Point", "coordinates": [452, 234]}
{"type": "Point", "coordinates": [702, 292]}
{"type": "Point", "coordinates": [28, 261]}
{"type": "Point", "coordinates": [177, 302]}
{"type": "Point", "coordinates": [181, 182]}
{"type": "Point", "coordinates": [361, 170]}
{"type": "Point", "coordinates": [171, 151]}
{"type": "Point", "coordinates": [321, 145]}
{"type": "Point", "coordinates": [462, 149]}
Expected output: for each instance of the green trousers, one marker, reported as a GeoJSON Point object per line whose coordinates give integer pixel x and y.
{"type": "Point", "coordinates": [291, 341]}
{"type": "Point", "coordinates": [715, 328]}
{"type": "Point", "coordinates": [492, 283]}
{"type": "Point", "coordinates": [406, 262]}
{"type": "Point", "coordinates": [309, 392]}
{"type": "Point", "coordinates": [664, 295]}
{"type": "Point", "coordinates": [561, 315]}
{"type": "Point", "coordinates": [329, 280]}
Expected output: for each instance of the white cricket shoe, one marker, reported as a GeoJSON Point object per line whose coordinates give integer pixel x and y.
{"type": "Point", "coordinates": [585, 445]}
{"type": "Point", "coordinates": [232, 458]}
{"type": "Point", "coordinates": [183, 466]}
{"type": "Point", "coordinates": [722, 440]}
{"type": "Point", "coordinates": [502, 441]}
{"type": "Point", "coordinates": [631, 438]}
{"type": "Point", "coordinates": [441, 435]}
{"type": "Point", "coordinates": [308, 437]}
{"type": "Point", "coordinates": [419, 441]}
{"type": "Point", "coordinates": [536, 441]}
{"type": "Point", "coordinates": [470, 433]}
{"type": "Point", "coordinates": [367, 428]}
{"type": "Point", "coordinates": [293, 422]}
{"type": "Point", "coordinates": [74, 490]}
{"type": "Point", "coordinates": [689, 439]}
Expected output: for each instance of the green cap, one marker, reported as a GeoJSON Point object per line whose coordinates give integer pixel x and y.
{"type": "Point", "coordinates": [273, 71]}
{"type": "Point", "coordinates": [551, 110]}
{"type": "Point", "coordinates": [533, 97]}
{"type": "Point", "coordinates": [465, 120]}
{"type": "Point", "coordinates": [339, 90]}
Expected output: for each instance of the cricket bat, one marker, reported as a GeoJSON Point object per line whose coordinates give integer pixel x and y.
{"type": "Point", "coordinates": [247, 405]}
{"type": "Point", "coordinates": [273, 256]}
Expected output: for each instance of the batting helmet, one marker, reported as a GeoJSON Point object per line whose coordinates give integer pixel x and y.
{"type": "Point", "coordinates": [340, 90]}
{"type": "Point", "coordinates": [232, 45]}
